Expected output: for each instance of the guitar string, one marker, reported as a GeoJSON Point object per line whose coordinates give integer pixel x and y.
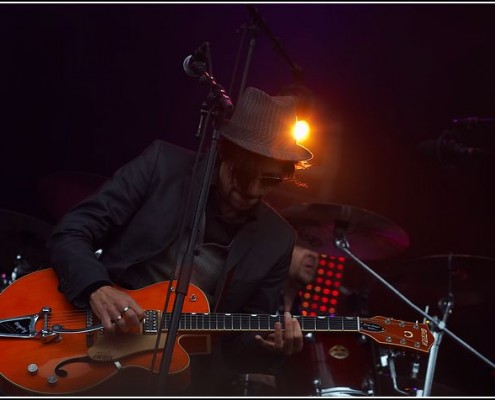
{"type": "Point", "coordinates": [243, 323]}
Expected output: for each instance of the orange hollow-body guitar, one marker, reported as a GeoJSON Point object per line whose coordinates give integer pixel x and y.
{"type": "Point", "coordinates": [50, 347]}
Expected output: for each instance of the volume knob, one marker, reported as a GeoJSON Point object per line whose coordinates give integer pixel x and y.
{"type": "Point", "coordinates": [32, 369]}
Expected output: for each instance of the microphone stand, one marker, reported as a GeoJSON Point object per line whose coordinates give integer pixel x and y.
{"type": "Point", "coordinates": [432, 359]}
{"type": "Point", "coordinates": [254, 28]}
{"type": "Point", "coordinates": [221, 107]}
{"type": "Point", "coordinates": [342, 244]}
{"type": "Point", "coordinates": [258, 24]}
{"type": "Point", "coordinates": [277, 43]}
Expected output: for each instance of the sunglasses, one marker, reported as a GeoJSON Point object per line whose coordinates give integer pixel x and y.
{"type": "Point", "coordinates": [271, 179]}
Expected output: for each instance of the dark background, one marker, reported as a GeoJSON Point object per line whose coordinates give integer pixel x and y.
{"type": "Point", "coordinates": [85, 88]}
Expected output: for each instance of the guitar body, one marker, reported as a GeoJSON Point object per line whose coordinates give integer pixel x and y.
{"type": "Point", "coordinates": [110, 355]}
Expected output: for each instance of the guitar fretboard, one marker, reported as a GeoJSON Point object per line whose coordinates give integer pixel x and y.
{"type": "Point", "coordinates": [247, 322]}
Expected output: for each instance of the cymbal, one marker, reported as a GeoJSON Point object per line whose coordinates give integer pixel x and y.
{"type": "Point", "coordinates": [370, 236]}
{"type": "Point", "coordinates": [22, 237]}
{"type": "Point", "coordinates": [429, 279]}
{"type": "Point", "coordinates": [60, 191]}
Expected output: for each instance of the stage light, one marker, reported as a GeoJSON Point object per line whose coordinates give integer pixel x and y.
{"type": "Point", "coordinates": [301, 131]}
{"type": "Point", "coordinates": [304, 108]}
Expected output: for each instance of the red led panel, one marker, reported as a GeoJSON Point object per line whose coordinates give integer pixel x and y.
{"type": "Point", "coordinates": [321, 295]}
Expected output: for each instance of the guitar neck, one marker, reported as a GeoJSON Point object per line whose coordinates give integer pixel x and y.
{"type": "Point", "coordinates": [383, 330]}
{"type": "Point", "coordinates": [252, 322]}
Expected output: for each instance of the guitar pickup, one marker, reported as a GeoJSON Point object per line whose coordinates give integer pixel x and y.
{"type": "Point", "coordinates": [151, 322]}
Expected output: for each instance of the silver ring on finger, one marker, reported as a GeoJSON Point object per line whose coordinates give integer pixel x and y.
{"type": "Point", "coordinates": [124, 310]}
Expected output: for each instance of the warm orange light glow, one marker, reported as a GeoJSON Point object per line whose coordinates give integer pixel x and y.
{"type": "Point", "coordinates": [301, 131]}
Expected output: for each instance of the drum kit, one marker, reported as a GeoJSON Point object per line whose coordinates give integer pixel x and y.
{"type": "Point", "coordinates": [339, 364]}
{"type": "Point", "coordinates": [350, 365]}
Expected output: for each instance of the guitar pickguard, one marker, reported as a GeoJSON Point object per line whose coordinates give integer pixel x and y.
{"type": "Point", "coordinates": [112, 347]}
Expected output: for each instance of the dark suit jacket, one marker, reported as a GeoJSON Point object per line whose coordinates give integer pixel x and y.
{"type": "Point", "coordinates": [135, 215]}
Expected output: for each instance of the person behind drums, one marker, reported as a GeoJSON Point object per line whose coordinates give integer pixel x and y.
{"type": "Point", "coordinates": [295, 376]}
{"type": "Point", "coordinates": [242, 257]}
{"type": "Point", "coordinates": [302, 271]}
{"type": "Point", "coordinates": [310, 371]}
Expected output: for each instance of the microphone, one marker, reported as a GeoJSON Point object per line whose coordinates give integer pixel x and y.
{"type": "Point", "coordinates": [451, 152]}
{"type": "Point", "coordinates": [195, 64]}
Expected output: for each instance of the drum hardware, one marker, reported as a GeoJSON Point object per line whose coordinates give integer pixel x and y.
{"type": "Point", "coordinates": [4, 281]}
{"type": "Point", "coordinates": [447, 305]}
{"type": "Point", "coordinates": [327, 381]}
{"type": "Point", "coordinates": [22, 268]}
{"type": "Point", "coordinates": [255, 384]}
{"type": "Point", "coordinates": [329, 228]}
{"type": "Point", "coordinates": [438, 327]}
{"type": "Point", "coordinates": [415, 368]}
{"type": "Point", "coordinates": [388, 360]}
{"type": "Point", "coordinates": [337, 391]}
{"type": "Point", "coordinates": [23, 241]}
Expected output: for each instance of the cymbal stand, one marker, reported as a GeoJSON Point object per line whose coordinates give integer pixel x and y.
{"type": "Point", "coordinates": [393, 373]}
{"type": "Point", "coordinates": [342, 244]}
{"type": "Point", "coordinates": [438, 335]}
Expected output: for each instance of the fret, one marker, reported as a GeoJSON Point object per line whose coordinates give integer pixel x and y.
{"type": "Point", "coordinates": [242, 323]}
{"type": "Point", "coordinates": [272, 320]}
{"type": "Point", "coordinates": [328, 323]}
{"type": "Point", "coordinates": [308, 323]}
{"type": "Point", "coordinates": [194, 322]}
{"type": "Point", "coordinates": [237, 321]}
{"type": "Point", "coordinates": [335, 324]}
{"type": "Point", "coordinates": [249, 319]}
{"type": "Point", "coordinates": [350, 324]}
{"type": "Point", "coordinates": [265, 323]}
{"type": "Point", "coordinates": [228, 321]}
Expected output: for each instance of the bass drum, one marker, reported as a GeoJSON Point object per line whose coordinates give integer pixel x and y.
{"type": "Point", "coordinates": [330, 365]}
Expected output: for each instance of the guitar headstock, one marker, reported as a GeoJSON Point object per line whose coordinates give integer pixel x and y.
{"type": "Point", "coordinates": [393, 332]}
